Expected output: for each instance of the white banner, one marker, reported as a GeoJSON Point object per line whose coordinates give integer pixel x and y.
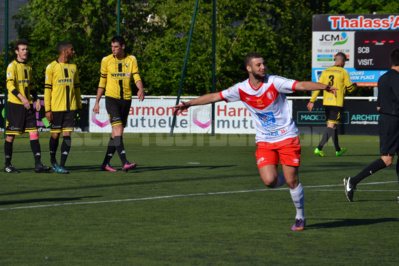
{"type": "Point", "coordinates": [156, 116]}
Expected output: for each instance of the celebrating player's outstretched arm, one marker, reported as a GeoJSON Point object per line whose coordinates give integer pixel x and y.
{"type": "Point", "coordinates": [205, 99]}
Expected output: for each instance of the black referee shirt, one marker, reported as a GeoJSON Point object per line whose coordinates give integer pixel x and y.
{"type": "Point", "coordinates": [388, 93]}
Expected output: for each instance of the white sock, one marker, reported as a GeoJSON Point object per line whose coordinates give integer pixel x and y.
{"type": "Point", "coordinates": [298, 197]}
{"type": "Point", "coordinates": [280, 180]}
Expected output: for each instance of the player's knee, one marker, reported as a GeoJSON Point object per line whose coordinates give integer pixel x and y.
{"type": "Point", "coordinates": [270, 185]}
{"type": "Point", "coordinates": [269, 181]}
{"type": "Point", "coordinates": [10, 138]}
{"type": "Point", "coordinates": [387, 160]}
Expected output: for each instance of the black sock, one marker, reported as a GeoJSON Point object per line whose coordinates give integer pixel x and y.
{"type": "Point", "coordinates": [120, 148]}
{"type": "Point", "coordinates": [110, 152]}
{"type": "Point", "coordinates": [35, 147]}
{"type": "Point", "coordinates": [335, 140]}
{"type": "Point", "coordinates": [8, 152]}
{"type": "Point", "coordinates": [53, 149]}
{"type": "Point", "coordinates": [369, 170]}
{"type": "Point", "coordinates": [326, 136]}
{"type": "Point", "coordinates": [397, 168]}
{"type": "Point", "coordinates": [65, 148]}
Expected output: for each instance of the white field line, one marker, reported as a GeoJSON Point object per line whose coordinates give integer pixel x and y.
{"type": "Point", "coordinates": [196, 195]}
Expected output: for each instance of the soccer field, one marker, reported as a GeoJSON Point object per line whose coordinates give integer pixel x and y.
{"type": "Point", "coordinates": [194, 200]}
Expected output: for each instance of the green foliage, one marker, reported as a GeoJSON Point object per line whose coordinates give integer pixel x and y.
{"type": "Point", "coordinates": [364, 6]}
{"type": "Point", "coordinates": [87, 24]}
{"type": "Point", "coordinates": [157, 32]}
{"type": "Point", "coordinates": [281, 31]}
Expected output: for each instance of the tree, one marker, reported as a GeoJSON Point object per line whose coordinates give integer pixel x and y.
{"type": "Point", "coordinates": [157, 33]}
{"type": "Point", "coordinates": [364, 7]}
{"type": "Point", "coordinates": [88, 24]}
{"type": "Point", "coordinates": [280, 30]}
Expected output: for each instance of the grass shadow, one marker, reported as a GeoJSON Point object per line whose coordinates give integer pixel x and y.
{"type": "Point", "coordinates": [13, 202]}
{"type": "Point", "coordinates": [350, 222]}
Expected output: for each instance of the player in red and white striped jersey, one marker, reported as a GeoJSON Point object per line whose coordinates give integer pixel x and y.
{"type": "Point", "coordinates": [276, 133]}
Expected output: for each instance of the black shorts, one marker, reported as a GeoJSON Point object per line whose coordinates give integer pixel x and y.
{"type": "Point", "coordinates": [333, 114]}
{"type": "Point", "coordinates": [388, 127]}
{"type": "Point", "coordinates": [118, 110]}
{"type": "Point", "coordinates": [19, 119]}
{"type": "Point", "coordinates": [63, 121]}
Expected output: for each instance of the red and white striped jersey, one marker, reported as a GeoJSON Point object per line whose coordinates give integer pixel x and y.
{"type": "Point", "coordinates": [268, 107]}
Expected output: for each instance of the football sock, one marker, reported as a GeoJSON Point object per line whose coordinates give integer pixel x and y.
{"type": "Point", "coordinates": [53, 149]}
{"type": "Point", "coordinates": [65, 148]}
{"type": "Point", "coordinates": [298, 197]}
{"type": "Point", "coordinates": [120, 149]}
{"type": "Point", "coordinates": [397, 168]}
{"type": "Point", "coordinates": [326, 136]}
{"type": "Point", "coordinates": [280, 181]}
{"type": "Point", "coordinates": [335, 140]}
{"type": "Point", "coordinates": [35, 147]}
{"type": "Point", "coordinates": [369, 170]}
{"type": "Point", "coordinates": [110, 152]}
{"type": "Point", "coordinates": [8, 152]}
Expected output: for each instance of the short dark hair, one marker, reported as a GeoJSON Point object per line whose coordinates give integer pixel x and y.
{"type": "Point", "coordinates": [341, 54]}
{"type": "Point", "coordinates": [63, 46]}
{"type": "Point", "coordinates": [20, 42]}
{"type": "Point", "coordinates": [119, 39]}
{"type": "Point", "coordinates": [395, 57]}
{"type": "Point", "coordinates": [250, 56]}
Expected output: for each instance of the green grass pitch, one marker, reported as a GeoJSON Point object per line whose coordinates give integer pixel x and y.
{"type": "Point", "coordinates": [194, 200]}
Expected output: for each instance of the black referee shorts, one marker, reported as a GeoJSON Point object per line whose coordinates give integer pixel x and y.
{"type": "Point", "coordinates": [388, 127]}
{"type": "Point", "coordinates": [118, 110]}
{"type": "Point", "coordinates": [19, 119]}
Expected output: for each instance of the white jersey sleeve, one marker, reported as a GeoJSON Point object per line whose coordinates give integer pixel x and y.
{"type": "Point", "coordinates": [284, 85]}
{"type": "Point", "coordinates": [231, 94]}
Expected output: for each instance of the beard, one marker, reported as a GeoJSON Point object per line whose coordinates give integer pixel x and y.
{"type": "Point", "coordinates": [259, 76]}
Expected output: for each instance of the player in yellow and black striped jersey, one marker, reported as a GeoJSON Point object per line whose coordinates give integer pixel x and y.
{"type": "Point", "coordinates": [334, 76]}
{"type": "Point", "coordinates": [117, 72]}
{"type": "Point", "coordinates": [62, 99]}
{"type": "Point", "coordinates": [21, 116]}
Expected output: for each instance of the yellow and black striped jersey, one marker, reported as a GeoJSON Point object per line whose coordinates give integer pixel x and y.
{"type": "Point", "coordinates": [19, 80]}
{"type": "Point", "coordinates": [337, 77]}
{"type": "Point", "coordinates": [116, 76]}
{"type": "Point", "coordinates": [62, 88]}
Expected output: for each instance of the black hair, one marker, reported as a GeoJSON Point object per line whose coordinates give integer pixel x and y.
{"type": "Point", "coordinates": [63, 46]}
{"type": "Point", "coordinates": [20, 42]}
{"type": "Point", "coordinates": [119, 39]}
{"type": "Point", "coordinates": [395, 57]}
{"type": "Point", "coordinates": [250, 56]}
